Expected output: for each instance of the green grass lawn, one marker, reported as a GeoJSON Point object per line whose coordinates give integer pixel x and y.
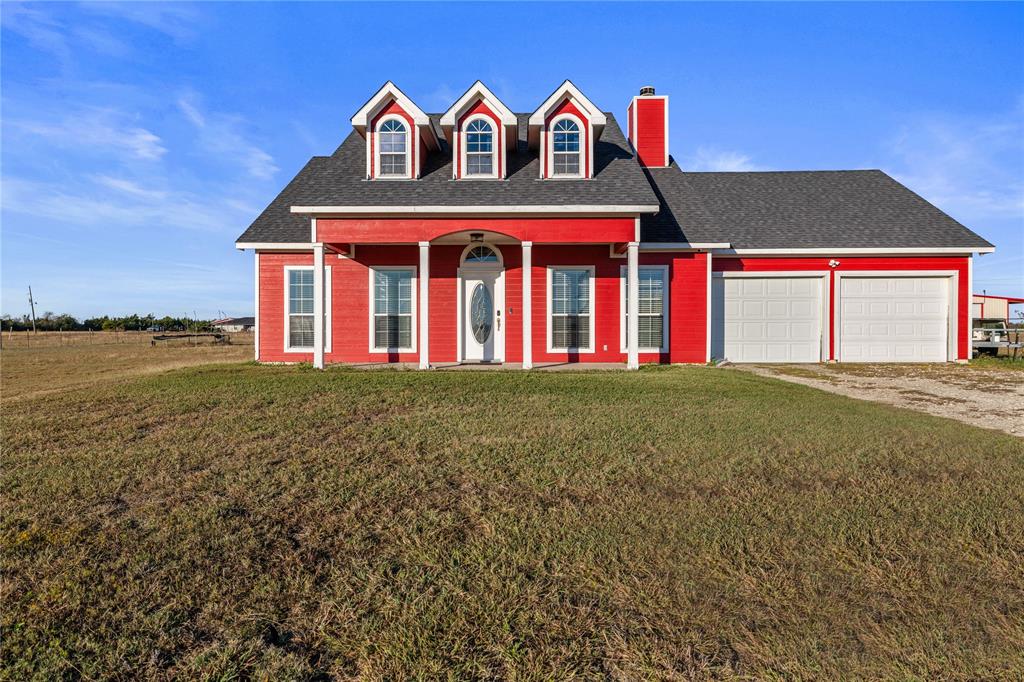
{"type": "Point", "coordinates": [236, 521]}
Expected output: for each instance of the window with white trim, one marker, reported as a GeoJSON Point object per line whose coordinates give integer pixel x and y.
{"type": "Point", "coordinates": [299, 308]}
{"type": "Point", "coordinates": [565, 147]}
{"type": "Point", "coordinates": [653, 310]}
{"type": "Point", "coordinates": [393, 140]}
{"type": "Point", "coordinates": [570, 325]}
{"type": "Point", "coordinates": [479, 148]}
{"type": "Point", "coordinates": [393, 308]}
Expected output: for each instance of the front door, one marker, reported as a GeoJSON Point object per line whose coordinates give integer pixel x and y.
{"type": "Point", "coordinates": [482, 326]}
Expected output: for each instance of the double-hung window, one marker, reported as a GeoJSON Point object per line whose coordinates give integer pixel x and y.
{"type": "Point", "coordinates": [299, 308]}
{"type": "Point", "coordinates": [479, 148]}
{"type": "Point", "coordinates": [570, 305]}
{"type": "Point", "coordinates": [566, 147]}
{"type": "Point", "coordinates": [392, 309]}
{"type": "Point", "coordinates": [392, 138]}
{"type": "Point", "coordinates": [652, 312]}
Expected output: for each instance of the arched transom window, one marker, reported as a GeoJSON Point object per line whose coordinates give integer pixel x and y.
{"type": "Point", "coordinates": [392, 137]}
{"type": "Point", "coordinates": [481, 254]}
{"type": "Point", "coordinates": [566, 148]}
{"type": "Point", "coordinates": [479, 148]}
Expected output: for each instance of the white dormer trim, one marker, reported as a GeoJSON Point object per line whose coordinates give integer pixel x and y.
{"type": "Point", "coordinates": [362, 121]}
{"type": "Point", "coordinates": [570, 91]}
{"type": "Point", "coordinates": [497, 148]}
{"type": "Point", "coordinates": [411, 155]}
{"type": "Point", "coordinates": [450, 118]}
{"type": "Point", "coordinates": [586, 149]}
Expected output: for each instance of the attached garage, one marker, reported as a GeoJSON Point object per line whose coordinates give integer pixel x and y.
{"type": "Point", "coordinates": [763, 318]}
{"type": "Point", "coordinates": [894, 318]}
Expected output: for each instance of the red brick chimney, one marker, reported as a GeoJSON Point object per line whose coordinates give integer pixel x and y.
{"type": "Point", "coordinates": [648, 127]}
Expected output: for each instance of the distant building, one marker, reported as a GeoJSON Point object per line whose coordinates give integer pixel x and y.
{"type": "Point", "coordinates": [235, 324]}
{"type": "Point", "coordinates": [990, 307]}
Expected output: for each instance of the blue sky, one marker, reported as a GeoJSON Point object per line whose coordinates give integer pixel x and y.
{"type": "Point", "coordinates": [139, 140]}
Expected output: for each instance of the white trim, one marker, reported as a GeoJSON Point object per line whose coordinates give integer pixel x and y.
{"type": "Point", "coordinates": [667, 156]}
{"type": "Point", "coordinates": [633, 319]}
{"type": "Point", "coordinates": [707, 310]}
{"type": "Point", "coordinates": [666, 308]}
{"type": "Point", "coordinates": [681, 246]}
{"type": "Point", "coordinates": [496, 148]}
{"type": "Point", "coordinates": [481, 266]}
{"type": "Point", "coordinates": [327, 307]}
{"type": "Point", "coordinates": [527, 305]}
{"type": "Point", "coordinates": [568, 90]}
{"type": "Point", "coordinates": [478, 89]}
{"type": "Point", "coordinates": [824, 317]}
{"type": "Point", "coordinates": [256, 320]}
{"type": "Point", "coordinates": [275, 246]}
{"type": "Point", "coordinates": [593, 309]}
{"type": "Point", "coordinates": [312, 225]}
{"type": "Point", "coordinates": [952, 327]}
{"type": "Point", "coordinates": [970, 315]}
{"type": "Point", "coordinates": [414, 287]}
{"type": "Point", "coordinates": [377, 174]}
{"type": "Point", "coordinates": [583, 130]}
{"type": "Point", "coordinates": [360, 119]}
{"type": "Point", "coordinates": [595, 209]}
{"type": "Point", "coordinates": [852, 251]}
{"type": "Point", "coordinates": [319, 311]}
{"type": "Point", "coordinates": [424, 316]}
{"type": "Point", "coordinates": [636, 230]}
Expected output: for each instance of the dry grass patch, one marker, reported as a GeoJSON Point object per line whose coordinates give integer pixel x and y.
{"type": "Point", "coordinates": [235, 521]}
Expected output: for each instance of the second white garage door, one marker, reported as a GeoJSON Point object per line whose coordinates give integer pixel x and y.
{"type": "Point", "coordinates": [893, 319]}
{"type": "Point", "coordinates": [769, 319]}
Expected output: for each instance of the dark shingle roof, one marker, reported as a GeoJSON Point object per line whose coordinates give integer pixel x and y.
{"type": "Point", "coordinates": [797, 209]}
{"type": "Point", "coordinates": [339, 180]}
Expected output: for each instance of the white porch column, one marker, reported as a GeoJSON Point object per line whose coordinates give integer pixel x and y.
{"type": "Point", "coordinates": [527, 307]}
{"type": "Point", "coordinates": [318, 306]}
{"type": "Point", "coordinates": [632, 312]}
{"type": "Point", "coordinates": [424, 305]}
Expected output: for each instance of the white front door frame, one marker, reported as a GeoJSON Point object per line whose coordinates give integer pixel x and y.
{"type": "Point", "coordinates": [499, 307]}
{"type": "Point", "coordinates": [952, 328]}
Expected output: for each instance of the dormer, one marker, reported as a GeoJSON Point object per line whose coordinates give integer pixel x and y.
{"type": "Point", "coordinates": [563, 130]}
{"type": "Point", "coordinates": [398, 135]}
{"type": "Point", "coordinates": [481, 131]}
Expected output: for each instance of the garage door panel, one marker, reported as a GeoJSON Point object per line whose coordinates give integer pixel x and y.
{"type": "Point", "coordinates": [769, 319]}
{"type": "Point", "coordinates": [893, 319]}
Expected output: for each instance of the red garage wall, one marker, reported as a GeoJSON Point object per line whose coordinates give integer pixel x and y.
{"type": "Point", "coordinates": [853, 264]}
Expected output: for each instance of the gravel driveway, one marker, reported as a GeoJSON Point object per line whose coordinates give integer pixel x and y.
{"type": "Point", "coordinates": [991, 398]}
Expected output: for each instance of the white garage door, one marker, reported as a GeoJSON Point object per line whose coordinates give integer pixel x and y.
{"type": "Point", "coordinates": [893, 319]}
{"type": "Point", "coordinates": [770, 319]}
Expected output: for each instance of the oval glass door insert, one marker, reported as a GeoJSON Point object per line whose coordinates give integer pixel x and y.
{"type": "Point", "coordinates": [481, 313]}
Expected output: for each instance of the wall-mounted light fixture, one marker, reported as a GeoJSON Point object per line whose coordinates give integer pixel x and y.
{"type": "Point", "coordinates": [833, 263]}
{"type": "Point", "coordinates": [476, 237]}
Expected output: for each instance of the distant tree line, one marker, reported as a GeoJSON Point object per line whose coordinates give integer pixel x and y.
{"type": "Point", "coordinates": [49, 322]}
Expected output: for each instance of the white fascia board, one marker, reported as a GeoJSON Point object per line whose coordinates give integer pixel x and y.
{"type": "Point", "coordinates": [567, 89]}
{"type": "Point", "coordinates": [275, 246]}
{"type": "Point", "coordinates": [376, 210]}
{"type": "Point", "coordinates": [682, 246]}
{"type": "Point", "coordinates": [840, 251]}
{"type": "Point", "coordinates": [361, 118]}
{"type": "Point", "coordinates": [450, 117]}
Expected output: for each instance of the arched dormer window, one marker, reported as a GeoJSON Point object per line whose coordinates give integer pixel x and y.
{"type": "Point", "coordinates": [393, 138]}
{"type": "Point", "coordinates": [479, 148]}
{"type": "Point", "coordinates": [566, 147]}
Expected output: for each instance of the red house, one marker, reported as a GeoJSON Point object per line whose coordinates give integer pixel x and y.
{"type": "Point", "coordinates": [483, 235]}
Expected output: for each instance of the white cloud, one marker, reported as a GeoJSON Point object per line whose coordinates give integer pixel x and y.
{"type": "Point", "coordinates": [129, 187]}
{"type": "Point", "coordinates": [719, 160]}
{"type": "Point", "coordinates": [98, 129]}
{"type": "Point", "coordinates": [223, 135]}
{"type": "Point", "coordinates": [973, 169]}
{"type": "Point", "coordinates": [176, 20]}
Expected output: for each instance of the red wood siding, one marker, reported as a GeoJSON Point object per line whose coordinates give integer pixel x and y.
{"type": "Point", "coordinates": [853, 264]}
{"type": "Point", "coordinates": [480, 108]}
{"type": "Point", "coordinates": [688, 291]}
{"type": "Point", "coordinates": [394, 108]}
{"type": "Point", "coordinates": [649, 136]}
{"type": "Point", "coordinates": [406, 230]}
{"type": "Point", "coordinates": [567, 107]}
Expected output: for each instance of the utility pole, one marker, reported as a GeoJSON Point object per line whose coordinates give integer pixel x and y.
{"type": "Point", "coordinates": [32, 305]}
